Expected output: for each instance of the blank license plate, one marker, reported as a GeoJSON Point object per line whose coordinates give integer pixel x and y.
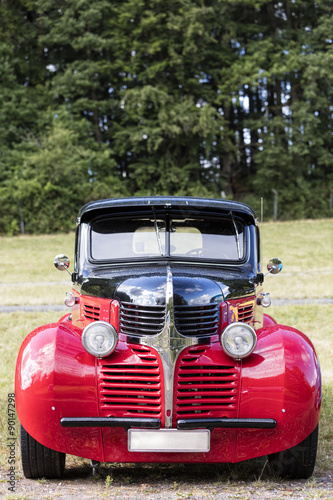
{"type": "Point", "coordinates": [169, 440]}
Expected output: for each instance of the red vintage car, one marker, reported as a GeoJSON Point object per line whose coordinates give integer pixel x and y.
{"type": "Point", "coordinates": [167, 355]}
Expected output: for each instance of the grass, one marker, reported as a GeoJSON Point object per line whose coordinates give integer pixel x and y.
{"type": "Point", "coordinates": [306, 249]}
{"type": "Point", "coordinates": [28, 259]}
{"type": "Point", "coordinates": [29, 264]}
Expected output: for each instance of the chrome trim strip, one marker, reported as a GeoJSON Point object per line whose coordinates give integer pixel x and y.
{"type": "Point", "coordinates": [169, 343]}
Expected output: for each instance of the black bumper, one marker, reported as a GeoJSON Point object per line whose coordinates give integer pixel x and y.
{"type": "Point", "coordinates": [184, 424]}
{"type": "Point", "coordinates": [228, 423]}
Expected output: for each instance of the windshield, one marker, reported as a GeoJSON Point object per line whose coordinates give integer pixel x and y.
{"type": "Point", "coordinates": [173, 237]}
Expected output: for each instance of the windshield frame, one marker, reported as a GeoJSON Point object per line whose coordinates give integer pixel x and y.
{"type": "Point", "coordinates": [155, 217]}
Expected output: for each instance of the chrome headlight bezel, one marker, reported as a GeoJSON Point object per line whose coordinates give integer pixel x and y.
{"type": "Point", "coordinates": [89, 338]}
{"type": "Point", "coordinates": [246, 335]}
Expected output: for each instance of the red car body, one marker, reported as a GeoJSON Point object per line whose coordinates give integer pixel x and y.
{"type": "Point", "coordinates": [181, 382]}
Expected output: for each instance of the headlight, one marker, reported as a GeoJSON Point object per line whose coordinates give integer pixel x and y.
{"type": "Point", "coordinates": [99, 339]}
{"type": "Point", "coordinates": [238, 340]}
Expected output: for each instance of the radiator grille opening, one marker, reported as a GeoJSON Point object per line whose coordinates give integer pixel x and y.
{"type": "Point", "coordinates": [131, 389]}
{"type": "Point", "coordinates": [197, 321]}
{"type": "Point", "coordinates": [138, 320]}
{"type": "Point", "coordinates": [206, 390]}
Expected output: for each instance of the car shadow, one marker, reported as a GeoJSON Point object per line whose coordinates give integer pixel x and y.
{"type": "Point", "coordinates": [137, 473]}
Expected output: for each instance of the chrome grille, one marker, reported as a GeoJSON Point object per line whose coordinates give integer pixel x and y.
{"type": "Point", "coordinates": [197, 321]}
{"type": "Point", "coordinates": [135, 320]}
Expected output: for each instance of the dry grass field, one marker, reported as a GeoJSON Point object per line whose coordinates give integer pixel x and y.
{"type": "Point", "coordinates": [28, 277]}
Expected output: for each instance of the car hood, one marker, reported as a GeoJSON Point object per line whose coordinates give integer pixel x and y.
{"type": "Point", "coordinates": [191, 285]}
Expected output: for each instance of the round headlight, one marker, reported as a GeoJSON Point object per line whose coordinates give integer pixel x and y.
{"type": "Point", "coordinates": [99, 339]}
{"type": "Point", "coordinates": [238, 340]}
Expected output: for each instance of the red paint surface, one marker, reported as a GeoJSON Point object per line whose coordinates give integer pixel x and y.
{"type": "Point", "coordinates": [56, 377]}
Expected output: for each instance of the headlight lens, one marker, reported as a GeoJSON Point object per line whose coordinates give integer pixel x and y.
{"type": "Point", "coordinates": [238, 340]}
{"type": "Point", "coordinates": [99, 339]}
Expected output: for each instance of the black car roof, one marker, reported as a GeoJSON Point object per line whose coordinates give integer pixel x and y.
{"type": "Point", "coordinates": [99, 207]}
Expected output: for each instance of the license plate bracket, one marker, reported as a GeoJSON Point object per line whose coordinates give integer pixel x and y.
{"type": "Point", "coordinates": [169, 440]}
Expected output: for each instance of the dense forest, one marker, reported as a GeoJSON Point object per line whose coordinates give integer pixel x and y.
{"type": "Point", "coordinates": [111, 98]}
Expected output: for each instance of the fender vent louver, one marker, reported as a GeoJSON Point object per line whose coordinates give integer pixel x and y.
{"type": "Point", "coordinates": [245, 312]}
{"type": "Point", "coordinates": [91, 312]}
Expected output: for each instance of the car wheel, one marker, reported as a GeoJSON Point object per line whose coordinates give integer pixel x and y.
{"type": "Point", "coordinates": [297, 462]}
{"type": "Point", "coordinates": [39, 461]}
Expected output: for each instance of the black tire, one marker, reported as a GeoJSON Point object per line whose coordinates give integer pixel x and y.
{"type": "Point", "coordinates": [39, 461]}
{"type": "Point", "coordinates": [297, 462]}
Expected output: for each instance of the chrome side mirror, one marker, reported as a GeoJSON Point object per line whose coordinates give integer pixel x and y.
{"type": "Point", "coordinates": [62, 263]}
{"type": "Point", "coordinates": [274, 266]}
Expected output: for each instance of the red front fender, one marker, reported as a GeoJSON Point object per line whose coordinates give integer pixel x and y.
{"type": "Point", "coordinates": [56, 377]}
{"type": "Point", "coordinates": [280, 380]}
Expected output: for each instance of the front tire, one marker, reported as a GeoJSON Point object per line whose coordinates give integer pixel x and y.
{"type": "Point", "coordinates": [297, 462]}
{"type": "Point", "coordinates": [39, 461]}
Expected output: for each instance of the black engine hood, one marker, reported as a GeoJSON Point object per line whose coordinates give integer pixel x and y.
{"type": "Point", "coordinates": [191, 285]}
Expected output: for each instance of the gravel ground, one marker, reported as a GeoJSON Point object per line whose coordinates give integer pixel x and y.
{"type": "Point", "coordinates": [168, 482]}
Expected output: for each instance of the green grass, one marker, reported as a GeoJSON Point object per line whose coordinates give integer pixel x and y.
{"type": "Point", "coordinates": [306, 249]}
{"type": "Point", "coordinates": [28, 259]}
{"type": "Point", "coordinates": [302, 245]}
{"type": "Point", "coordinates": [28, 262]}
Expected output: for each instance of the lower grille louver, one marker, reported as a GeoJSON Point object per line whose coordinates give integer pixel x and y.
{"type": "Point", "coordinates": [205, 390]}
{"type": "Point", "coordinates": [132, 389]}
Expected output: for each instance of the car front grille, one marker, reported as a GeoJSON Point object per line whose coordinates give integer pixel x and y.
{"type": "Point", "coordinates": [138, 321]}
{"type": "Point", "coordinates": [131, 386]}
{"type": "Point", "coordinates": [197, 321]}
{"type": "Point", "coordinates": [205, 389]}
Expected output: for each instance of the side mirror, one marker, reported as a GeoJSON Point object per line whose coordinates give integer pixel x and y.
{"type": "Point", "coordinates": [62, 263]}
{"type": "Point", "coordinates": [274, 266]}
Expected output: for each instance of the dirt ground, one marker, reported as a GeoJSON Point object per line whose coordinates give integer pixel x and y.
{"type": "Point", "coordinates": [166, 482]}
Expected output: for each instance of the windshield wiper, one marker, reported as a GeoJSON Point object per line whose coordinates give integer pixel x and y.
{"type": "Point", "coordinates": [237, 235]}
{"type": "Point", "coordinates": [157, 232]}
